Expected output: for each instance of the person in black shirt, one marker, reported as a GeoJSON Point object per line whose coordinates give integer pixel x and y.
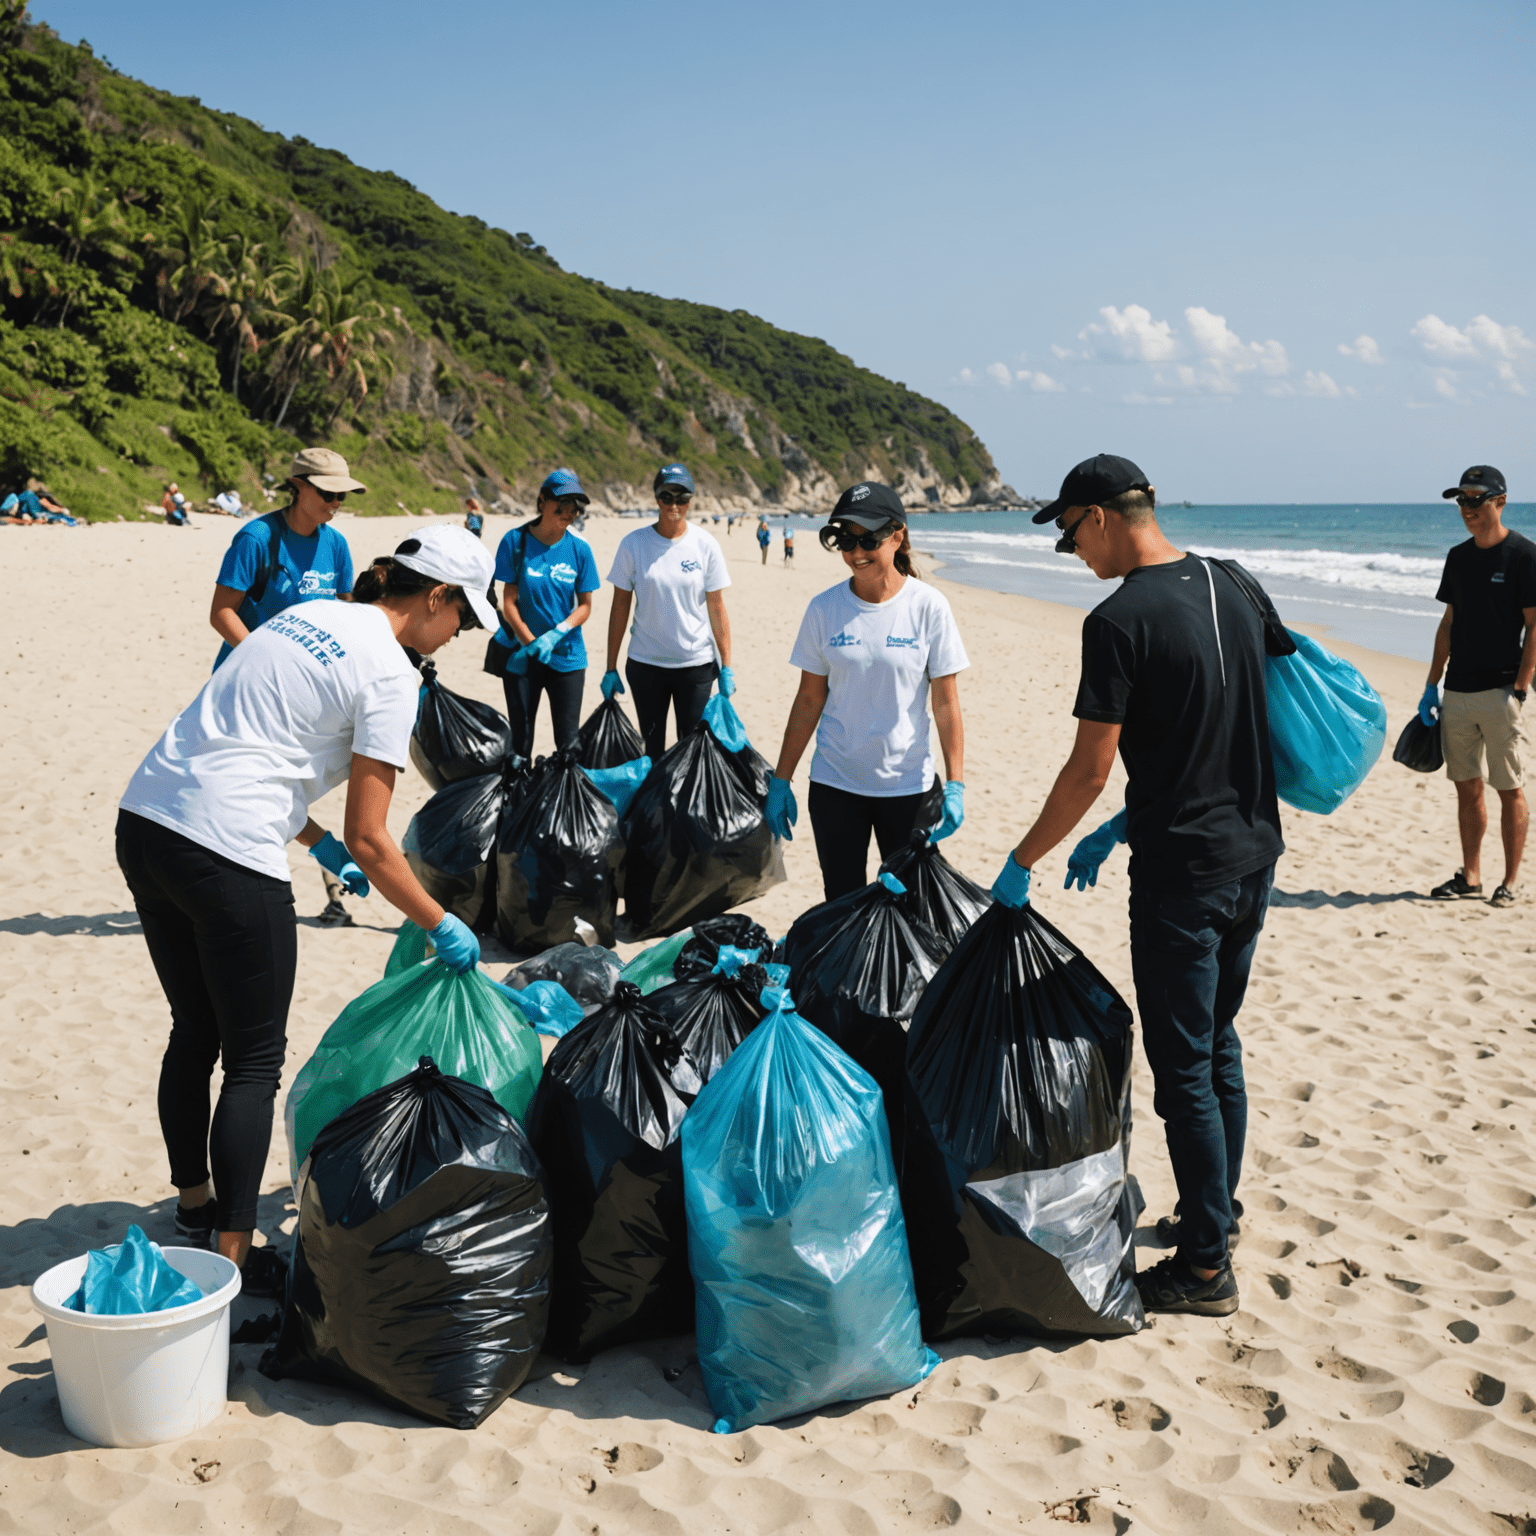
{"type": "Point", "coordinates": [1488, 636]}
{"type": "Point", "coordinates": [1173, 676]}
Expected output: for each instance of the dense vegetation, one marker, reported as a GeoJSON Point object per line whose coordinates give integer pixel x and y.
{"type": "Point", "coordinates": [185, 295]}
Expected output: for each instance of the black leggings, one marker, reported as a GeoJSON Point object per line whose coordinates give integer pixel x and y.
{"type": "Point", "coordinates": [686, 689]}
{"type": "Point", "coordinates": [564, 690]}
{"type": "Point", "coordinates": [841, 822]}
{"type": "Point", "coordinates": [224, 946]}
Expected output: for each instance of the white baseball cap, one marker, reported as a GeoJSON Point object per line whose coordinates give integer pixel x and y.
{"type": "Point", "coordinates": [457, 557]}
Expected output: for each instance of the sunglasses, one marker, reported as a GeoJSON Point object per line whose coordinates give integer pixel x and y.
{"type": "Point", "coordinates": [674, 498]}
{"type": "Point", "coordinates": [467, 618]}
{"type": "Point", "coordinates": [1067, 543]}
{"type": "Point", "coordinates": [844, 540]}
{"type": "Point", "coordinates": [332, 498]}
{"type": "Point", "coordinates": [1475, 501]}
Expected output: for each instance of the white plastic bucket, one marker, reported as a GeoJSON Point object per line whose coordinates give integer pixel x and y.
{"type": "Point", "coordinates": [145, 1377]}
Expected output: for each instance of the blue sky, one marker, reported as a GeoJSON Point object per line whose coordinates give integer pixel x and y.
{"type": "Point", "coordinates": [1271, 253]}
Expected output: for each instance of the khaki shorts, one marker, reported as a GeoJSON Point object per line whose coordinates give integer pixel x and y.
{"type": "Point", "coordinates": [1489, 723]}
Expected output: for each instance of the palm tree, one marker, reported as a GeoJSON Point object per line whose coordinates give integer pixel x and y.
{"type": "Point", "coordinates": [88, 218]}
{"type": "Point", "coordinates": [240, 300]}
{"type": "Point", "coordinates": [190, 258]}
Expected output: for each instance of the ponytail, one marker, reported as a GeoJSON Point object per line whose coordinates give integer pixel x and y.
{"type": "Point", "coordinates": [386, 577]}
{"type": "Point", "coordinates": [904, 562]}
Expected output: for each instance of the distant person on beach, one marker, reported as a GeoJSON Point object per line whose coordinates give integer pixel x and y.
{"type": "Point", "coordinates": [869, 651]}
{"type": "Point", "coordinates": [548, 575]}
{"type": "Point", "coordinates": [474, 518]}
{"type": "Point", "coordinates": [730, 524]}
{"type": "Point", "coordinates": [674, 577]}
{"type": "Point", "coordinates": [322, 696]}
{"type": "Point", "coordinates": [1486, 650]}
{"type": "Point", "coordinates": [1172, 677]}
{"type": "Point", "coordinates": [37, 506]}
{"type": "Point", "coordinates": [789, 543]}
{"type": "Point", "coordinates": [289, 556]}
{"type": "Point", "coordinates": [764, 538]}
{"type": "Point", "coordinates": [174, 505]}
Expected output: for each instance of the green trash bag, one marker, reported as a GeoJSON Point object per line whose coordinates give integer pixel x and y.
{"type": "Point", "coordinates": [410, 949]}
{"type": "Point", "coordinates": [652, 968]}
{"type": "Point", "coordinates": [459, 1019]}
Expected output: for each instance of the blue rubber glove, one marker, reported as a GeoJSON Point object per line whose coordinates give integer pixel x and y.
{"type": "Point", "coordinates": [1011, 888]}
{"type": "Point", "coordinates": [540, 647]}
{"type": "Point", "coordinates": [954, 811]}
{"type": "Point", "coordinates": [727, 682]}
{"type": "Point", "coordinates": [782, 812]}
{"type": "Point", "coordinates": [611, 684]}
{"type": "Point", "coordinates": [1084, 860]}
{"type": "Point", "coordinates": [455, 944]}
{"type": "Point", "coordinates": [1429, 705]}
{"type": "Point", "coordinates": [332, 855]}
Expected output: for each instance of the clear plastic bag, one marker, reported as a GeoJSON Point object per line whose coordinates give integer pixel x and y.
{"type": "Point", "coordinates": [589, 972]}
{"type": "Point", "coordinates": [795, 1231]}
{"type": "Point", "coordinates": [460, 1019]}
{"type": "Point", "coordinates": [1019, 1207]}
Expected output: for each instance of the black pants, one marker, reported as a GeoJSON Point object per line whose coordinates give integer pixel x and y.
{"type": "Point", "coordinates": [564, 691]}
{"type": "Point", "coordinates": [842, 821]}
{"type": "Point", "coordinates": [686, 689]}
{"type": "Point", "coordinates": [223, 943]}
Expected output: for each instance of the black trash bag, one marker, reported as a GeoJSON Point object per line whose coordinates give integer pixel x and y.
{"type": "Point", "coordinates": [588, 972]}
{"type": "Point", "coordinates": [607, 739]}
{"type": "Point", "coordinates": [1420, 747]}
{"type": "Point", "coordinates": [450, 842]}
{"type": "Point", "coordinates": [735, 930]}
{"type": "Point", "coordinates": [1019, 1209]}
{"type": "Point", "coordinates": [712, 1012]}
{"type": "Point", "coordinates": [605, 1124]}
{"type": "Point", "coordinates": [422, 1260]}
{"type": "Point", "coordinates": [696, 842]}
{"type": "Point", "coordinates": [858, 966]}
{"type": "Point", "coordinates": [937, 893]}
{"type": "Point", "coordinates": [557, 858]}
{"type": "Point", "coordinates": [456, 737]}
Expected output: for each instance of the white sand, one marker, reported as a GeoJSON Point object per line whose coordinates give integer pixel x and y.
{"type": "Point", "coordinates": [1378, 1374]}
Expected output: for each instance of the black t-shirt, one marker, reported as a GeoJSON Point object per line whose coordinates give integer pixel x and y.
{"type": "Point", "coordinates": [1487, 589]}
{"type": "Point", "coordinates": [1201, 807]}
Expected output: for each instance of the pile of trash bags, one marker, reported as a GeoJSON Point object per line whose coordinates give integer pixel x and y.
{"type": "Point", "coordinates": [795, 1231]}
{"type": "Point", "coordinates": [456, 737]}
{"type": "Point", "coordinates": [422, 1259]}
{"type": "Point", "coordinates": [696, 839]}
{"type": "Point", "coordinates": [1019, 1207]}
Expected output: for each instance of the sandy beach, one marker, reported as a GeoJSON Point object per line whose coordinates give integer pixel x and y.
{"type": "Point", "coordinates": [1380, 1371]}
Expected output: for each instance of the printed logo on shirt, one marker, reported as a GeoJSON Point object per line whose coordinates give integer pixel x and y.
{"type": "Point", "coordinates": [692, 565]}
{"type": "Point", "coordinates": [844, 639]}
{"type": "Point", "coordinates": [316, 641]}
{"type": "Point", "coordinates": [1497, 576]}
{"type": "Point", "coordinates": [903, 642]}
{"type": "Point", "coordinates": [318, 584]}
{"type": "Point", "coordinates": [560, 572]}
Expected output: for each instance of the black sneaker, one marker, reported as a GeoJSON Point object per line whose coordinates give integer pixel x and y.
{"type": "Point", "coordinates": [1172, 1286]}
{"type": "Point", "coordinates": [195, 1228]}
{"type": "Point", "coordinates": [264, 1273]}
{"type": "Point", "coordinates": [1455, 888]}
{"type": "Point", "coordinates": [1502, 897]}
{"type": "Point", "coordinates": [1168, 1231]}
{"type": "Point", "coordinates": [334, 916]}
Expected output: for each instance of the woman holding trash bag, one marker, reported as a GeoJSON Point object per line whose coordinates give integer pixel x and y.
{"type": "Point", "coordinates": [320, 696]}
{"type": "Point", "coordinates": [869, 650]}
{"type": "Point", "coordinates": [548, 576]}
{"type": "Point", "coordinates": [674, 576]}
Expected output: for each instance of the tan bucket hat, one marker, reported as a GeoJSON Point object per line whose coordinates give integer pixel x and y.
{"type": "Point", "coordinates": [325, 469]}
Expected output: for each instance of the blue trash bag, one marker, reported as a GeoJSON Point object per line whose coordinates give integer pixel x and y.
{"type": "Point", "coordinates": [619, 784]}
{"type": "Point", "coordinates": [547, 1006]}
{"type": "Point", "coordinates": [795, 1233]}
{"type": "Point", "coordinates": [1327, 726]}
{"type": "Point", "coordinates": [132, 1276]}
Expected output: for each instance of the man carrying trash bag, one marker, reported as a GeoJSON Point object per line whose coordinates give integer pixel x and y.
{"type": "Point", "coordinates": [1173, 677]}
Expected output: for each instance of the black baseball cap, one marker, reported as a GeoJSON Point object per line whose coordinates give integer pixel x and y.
{"type": "Point", "coordinates": [1094, 482]}
{"type": "Point", "coordinates": [1481, 477]}
{"type": "Point", "coordinates": [870, 505]}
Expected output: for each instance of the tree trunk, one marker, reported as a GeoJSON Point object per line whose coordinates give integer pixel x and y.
{"type": "Point", "coordinates": [286, 398]}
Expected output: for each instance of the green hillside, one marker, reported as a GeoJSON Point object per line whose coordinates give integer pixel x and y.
{"type": "Point", "coordinates": [186, 295]}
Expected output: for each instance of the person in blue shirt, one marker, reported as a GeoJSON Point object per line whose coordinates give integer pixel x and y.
{"type": "Point", "coordinates": [287, 557]}
{"type": "Point", "coordinates": [548, 576]}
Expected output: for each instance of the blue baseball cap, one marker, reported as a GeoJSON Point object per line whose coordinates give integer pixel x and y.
{"type": "Point", "coordinates": [673, 474]}
{"type": "Point", "coordinates": [563, 482]}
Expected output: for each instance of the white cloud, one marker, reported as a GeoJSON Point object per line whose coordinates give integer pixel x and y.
{"type": "Point", "coordinates": [1215, 339]}
{"type": "Point", "coordinates": [1443, 340]}
{"type": "Point", "coordinates": [1320, 383]}
{"type": "Point", "coordinates": [1041, 383]}
{"type": "Point", "coordinates": [1445, 387]}
{"type": "Point", "coordinates": [1213, 380]}
{"type": "Point", "coordinates": [1508, 380]}
{"type": "Point", "coordinates": [1000, 373]}
{"type": "Point", "coordinates": [967, 377]}
{"type": "Point", "coordinates": [1061, 353]}
{"type": "Point", "coordinates": [1363, 350]}
{"type": "Point", "coordinates": [1140, 399]}
{"type": "Point", "coordinates": [1131, 334]}
{"type": "Point", "coordinates": [1506, 341]}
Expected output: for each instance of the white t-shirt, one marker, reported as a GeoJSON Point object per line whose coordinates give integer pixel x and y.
{"type": "Point", "coordinates": [877, 659]}
{"type": "Point", "coordinates": [275, 728]}
{"type": "Point", "coordinates": [669, 578]}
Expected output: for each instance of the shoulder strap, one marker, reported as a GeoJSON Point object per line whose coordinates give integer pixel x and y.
{"type": "Point", "coordinates": [258, 588]}
{"type": "Point", "coordinates": [1277, 639]}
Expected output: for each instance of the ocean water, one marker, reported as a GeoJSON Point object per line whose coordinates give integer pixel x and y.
{"type": "Point", "coordinates": [1367, 573]}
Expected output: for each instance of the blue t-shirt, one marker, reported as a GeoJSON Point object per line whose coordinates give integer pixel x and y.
{"type": "Point", "coordinates": [319, 566]}
{"type": "Point", "coordinates": [551, 578]}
